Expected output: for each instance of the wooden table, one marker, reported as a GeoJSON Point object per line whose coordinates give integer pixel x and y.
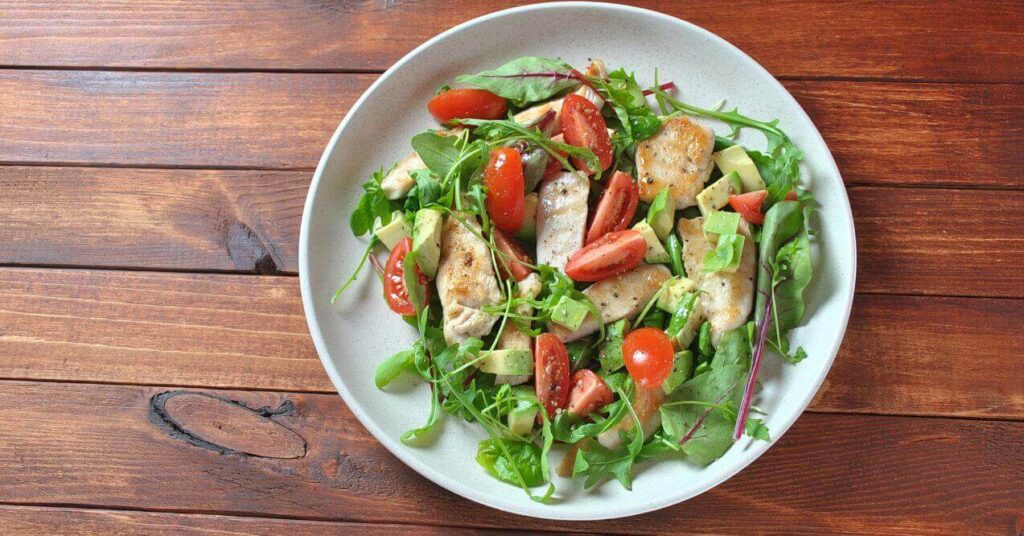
{"type": "Point", "coordinates": [155, 158]}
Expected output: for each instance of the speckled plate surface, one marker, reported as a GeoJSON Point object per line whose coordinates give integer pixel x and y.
{"type": "Point", "coordinates": [355, 334]}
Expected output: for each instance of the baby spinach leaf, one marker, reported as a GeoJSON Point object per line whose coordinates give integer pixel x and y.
{"type": "Point", "coordinates": [733, 349]}
{"type": "Point", "coordinates": [704, 347]}
{"type": "Point", "coordinates": [525, 80]}
{"type": "Point", "coordinates": [393, 367]}
{"type": "Point", "coordinates": [515, 462]}
{"type": "Point", "coordinates": [781, 223]}
{"type": "Point", "coordinates": [793, 273]}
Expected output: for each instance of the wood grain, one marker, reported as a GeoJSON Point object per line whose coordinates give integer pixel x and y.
{"type": "Point", "coordinates": [44, 521]}
{"type": "Point", "coordinates": [244, 221]}
{"type": "Point", "coordinates": [920, 134]}
{"type": "Point", "coordinates": [247, 332]}
{"type": "Point", "coordinates": [96, 444]}
{"type": "Point", "coordinates": [904, 40]}
{"type": "Point", "coordinates": [930, 241]}
{"type": "Point", "coordinates": [135, 327]}
{"type": "Point", "coordinates": [172, 119]}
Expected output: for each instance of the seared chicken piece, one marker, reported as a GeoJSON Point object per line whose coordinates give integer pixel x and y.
{"type": "Point", "coordinates": [561, 217]}
{"type": "Point", "coordinates": [727, 297]}
{"type": "Point", "coordinates": [465, 281]}
{"type": "Point", "coordinates": [531, 115]}
{"type": "Point", "coordinates": [596, 69]}
{"type": "Point", "coordinates": [646, 403]}
{"type": "Point", "coordinates": [678, 157]}
{"type": "Point", "coordinates": [512, 337]}
{"type": "Point", "coordinates": [398, 182]}
{"type": "Point", "coordinates": [618, 297]}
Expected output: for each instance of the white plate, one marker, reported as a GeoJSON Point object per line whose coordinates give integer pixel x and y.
{"type": "Point", "coordinates": [353, 335]}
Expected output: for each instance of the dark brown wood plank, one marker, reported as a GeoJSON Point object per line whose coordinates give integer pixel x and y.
{"type": "Point", "coordinates": [99, 445]}
{"type": "Point", "coordinates": [919, 134]}
{"type": "Point", "coordinates": [45, 521]}
{"type": "Point", "coordinates": [245, 332]}
{"type": "Point", "coordinates": [932, 241]}
{"type": "Point", "coordinates": [907, 40]}
{"type": "Point", "coordinates": [172, 119]}
{"type": "Point", "coordinates": [155, 219]}
{"type": "Point", "coordinates": [138, 327]}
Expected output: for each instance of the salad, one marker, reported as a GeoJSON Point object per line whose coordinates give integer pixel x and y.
{"type": "Point", "coordinates": [588, 264]}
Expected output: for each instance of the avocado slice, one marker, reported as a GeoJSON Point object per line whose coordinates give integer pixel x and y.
{"type": "Point", "coordinates": [662, 214]}
{"type": "Point", "coordinates": [511, 362]}
{"type": "Point", "coordinates": [524, 414]}
{"type": "Point", "coordinates": [528, 230]}
{"type": "Point", "coordinates": [735, 159]}
{"type": "Point", "coordinates": [656, 253]}
{"type": "Point", "coordinates": [720, 223]}
{"type": "Point", "coordinates": [426, 240]}
{"type": "Point", "coordinates": [717, 195]}
{"type": "Point", "coordinates": [569, 313]}
{"type": "Point", "coordinates": [394, 232]}
{"type": "Point", "coordinates": [675, 289]}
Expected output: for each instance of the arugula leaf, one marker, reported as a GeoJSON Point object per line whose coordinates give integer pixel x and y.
{"type": "Point", "coordinates": [580, 353]}
{"type": "Point", "coordinates": [757, 429]}
{"type": "Point", "coordinates": [427, 190]}
{"type": "Point", "coordinates": [609, 353]}
{"type": "Point", "coordinates": [525, 80]}
{"type": "Point", "coordinates": [502, 131]}
{"type": "Point", "coordinates": [359, 268]}
{"type": "Point", "coordinates": [373, 204]}
{"type": "Point", "coordinates": [515, 462]}
{"type": "Point", "coordinates": [596, 462]}
{"type": "Point", "coordinates": [623, 93]}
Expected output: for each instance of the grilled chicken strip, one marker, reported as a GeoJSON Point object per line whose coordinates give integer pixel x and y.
{"type": "Point", "coordinates": [727, 297]}
{"type": "Point", "coordinates": [398, 182]}
{"type": "Point", "coordinates": [678, 157]}
{"type": "Point", "coordinates": [465, 281]}
{"type": "Point", "coordinates": [618, 297]}
{"type": "Point", "coordinates": [561, 217]}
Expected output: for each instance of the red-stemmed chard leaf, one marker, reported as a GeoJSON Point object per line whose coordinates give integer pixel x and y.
{"type": "Point", "coordinates": [528, 79]}
{"type": "Point", "coordinates": [664, 87]}
{"type": "Point", "coordinates": [755, 364]}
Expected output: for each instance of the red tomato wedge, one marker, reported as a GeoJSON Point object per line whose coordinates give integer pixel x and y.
{"type": "Point", "coordinates": [748, 205]}
{"type": "Point", "coordinates": [589, 393]}
{"type": "Point", "coordinates": [509, 246]}
{"type": "Point", "coordinates": [395, 292]}
{"type": "Point", "coordinates": [467, 104]}
{"type": "Point", "coordinates": [583, 126]}
{"type": "Point", "coordinates": [551, 371]}
{"type": "Point", "coordinates": [506, 196]}
{"type": "Point", "coordinates": [616, 208]}
{"type": "Point", "coordinates": [648, 355]}
{"type": "Point", "coordinates": [613, 253]}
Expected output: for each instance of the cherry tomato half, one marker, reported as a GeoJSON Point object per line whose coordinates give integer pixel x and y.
{"type": "Point", "coordinates": [613, 253]}
{"type": "Point", "coordinates": [551, 372]}
{"type": "Point", "coordinates": [589, 393]}
{"type": "Point", "coordinates": [583, 126]}
{"type": "Point", "coordinates": [467, 104]}
{"type": "Point", "coordinates": [648, 355]}
{"type": "Point", "coordinates": [395, 292]}
{"type": "Point", "coordinates": [509, 246]}
{"type": "Point", "coordinates": [506, 196]}
{"type": "Point", "coordinates": [748, 205]}
{"type": "Point", "coordinates": [616, 208]}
